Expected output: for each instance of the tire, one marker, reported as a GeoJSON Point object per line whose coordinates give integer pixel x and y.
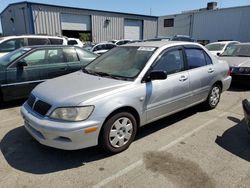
{"type": "Point", "coordinates": [118, 132]}
{"type": "Point", "coordinates": [213, 97]}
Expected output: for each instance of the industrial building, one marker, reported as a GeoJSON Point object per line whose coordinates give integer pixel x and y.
{"type": "Point", "coordinates": [94, 25]}
{"type": "Point", "coordinates": [209, 24]}
{"type": "Point", "coordinates": [206, 25]}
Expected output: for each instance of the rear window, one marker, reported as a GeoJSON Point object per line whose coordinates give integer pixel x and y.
{"type": "Point", "coordinates": [215, 47]}
{"type": "Point", "coordinates": [72, 42]}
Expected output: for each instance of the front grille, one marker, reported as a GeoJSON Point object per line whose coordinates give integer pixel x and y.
{"type": "Point", "coordinates": [31, 100]}
{"type": "Point", "coordinates": [41, 107]}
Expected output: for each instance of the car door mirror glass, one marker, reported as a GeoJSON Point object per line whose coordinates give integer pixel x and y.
{"type": "Point", "coordinates": [157, 75]}
{"type": "Point", "coordinates": [218, 54]}
{"type": "Point", "coordinates": [22, 63]}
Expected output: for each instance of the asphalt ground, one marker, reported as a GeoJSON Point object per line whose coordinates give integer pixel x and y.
{"type": "Point", "coordinates": [193, 148]}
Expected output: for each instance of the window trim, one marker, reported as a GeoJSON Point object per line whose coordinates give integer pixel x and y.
{"type": "Point", "coordinates": [179, 47]}
{"type": "Point", "coordinates": [197, 48]}
{"type": "Point", "coordinates": [168, 20]}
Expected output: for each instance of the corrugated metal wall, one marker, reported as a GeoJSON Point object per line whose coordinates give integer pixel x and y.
{"type": "Point", "coordinates": [47, 21]}
{"type": "Point", "coordinates": [20, 20]}
{"type": "Point", "coordinates": [149, 29]}
{"type": "Point", "coordinates": [182, 23]}
{"type": "Point", "coordinates": [103, 31]}
{"type": "Point", "coordinates": [224, 24]}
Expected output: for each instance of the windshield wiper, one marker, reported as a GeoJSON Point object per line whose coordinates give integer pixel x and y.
{"type": "Point", "coordinates": [242, 55]}
{"type": "Point", "coordinates": [104, 74]}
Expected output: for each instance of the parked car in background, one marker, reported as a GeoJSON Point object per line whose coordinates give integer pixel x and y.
{"type": "Point", "coordinates": [159, 38]}
{"type": "Point", "coordinates": [238, 58]}
{"type": "Point", "coordinates": [217, 48]}
{"type": "Point", "coordinates": [101, 48]}
{"type": "Point", "coordinates": [246, 109]}
{"type": "Point", "coordinates": [22, 69]}
{"type": "Point", "coordinates": [125, 88]}
{"type": "Point", "coordinates": [120, 42]}
{"type": "Point", "coordinates": [11, 43]}
{"type": "Point", "coordinates": [75, 42]}
{"type": "Point", "coordinates": [182, 38]}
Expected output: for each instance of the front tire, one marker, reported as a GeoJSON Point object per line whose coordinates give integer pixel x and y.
{"type": "Point", "coordinates": [118, 132]}
{"type": "Point", "coordinates": [213, 97]}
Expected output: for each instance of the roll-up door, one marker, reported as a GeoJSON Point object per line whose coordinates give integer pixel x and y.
{"type": "Point", "coordinates": [133, 29]}
{"type": "Point", "coordinates": [75, 22]}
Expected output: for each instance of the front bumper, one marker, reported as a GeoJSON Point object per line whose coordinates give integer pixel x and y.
{"type": "Point", "coordinates": [61, 135]}
{"type": "Point", "coordinates": [246, 108]}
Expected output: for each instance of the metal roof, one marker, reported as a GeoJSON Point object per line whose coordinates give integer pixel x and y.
{"type": "Point", "coordinates": [60, 6]}
{"type": "Point", "coordinates": [160, 43]}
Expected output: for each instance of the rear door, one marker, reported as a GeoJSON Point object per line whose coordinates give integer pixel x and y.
{"type": "Point", "coordinates": [172, 94]}
{"type": "Point", "coordinates": [72, 59]}
{"type": "Point", "coordinates": [201, 72]}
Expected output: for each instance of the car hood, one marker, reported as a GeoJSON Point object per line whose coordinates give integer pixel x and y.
{"type": "Point", "coordinates": [237, 61]}
{"type": "Point", "coordinates": [75, 88]}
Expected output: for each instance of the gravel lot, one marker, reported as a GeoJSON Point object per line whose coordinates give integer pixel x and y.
{"type": "Point", "coordinates": [194, 148]}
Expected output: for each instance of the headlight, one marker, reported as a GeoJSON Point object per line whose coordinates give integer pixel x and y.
{"type": "Point", "coordinates": [72, 113]}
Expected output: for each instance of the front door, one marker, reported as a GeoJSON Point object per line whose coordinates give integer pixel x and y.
{"type": "Point", "coordinates": [172, 94]}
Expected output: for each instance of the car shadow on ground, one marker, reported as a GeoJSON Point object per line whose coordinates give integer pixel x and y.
{"type": "Point", "coordinates": [24, 153]}
{"type": "Point", "coordinates": [236, 139]}
{"type": "Point", "coordinates": [240, 86]}
{"type": "Point", "coordinates": [11, 104]}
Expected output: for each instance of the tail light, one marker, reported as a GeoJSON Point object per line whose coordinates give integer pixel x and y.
{"type": "Point", "coordinates": [229, 72]}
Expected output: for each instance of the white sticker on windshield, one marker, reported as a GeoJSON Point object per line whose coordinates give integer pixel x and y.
{"type": "Point", "coordinates": [150, 49]}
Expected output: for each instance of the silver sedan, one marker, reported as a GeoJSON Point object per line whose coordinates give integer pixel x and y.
{"type": "Point", "coordinates": [127, 87]}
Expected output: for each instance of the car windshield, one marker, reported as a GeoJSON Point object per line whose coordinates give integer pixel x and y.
{"type": "Point", "coordinates": [88, 46]}
{"type": "Point", "coordinates": [121, 62]}
{"type": "Point", "coordinates": [8, 58]}
{"type": "Point", "coordinates": [238, 51]}
{"type": "Point", "coordinates": [215, 47]}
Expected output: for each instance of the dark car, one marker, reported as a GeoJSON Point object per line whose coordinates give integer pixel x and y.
{"type": "Point", "coordinates": [246, 108]}
{"type": "Point", "coordinates": [182, 38]}
{"type": "Point", "coordinates": [22, 69]}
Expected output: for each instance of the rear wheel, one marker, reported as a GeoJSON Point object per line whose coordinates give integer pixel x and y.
{"type": "Point", "coordinates": [118, 132]}
{"type": "Point", "coordinates": [213, 97]}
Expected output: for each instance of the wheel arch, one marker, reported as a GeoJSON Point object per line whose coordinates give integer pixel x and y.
{"type": "Point", "coordinates": [129, 109]}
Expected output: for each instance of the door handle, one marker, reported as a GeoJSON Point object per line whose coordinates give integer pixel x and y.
{"type": "Point", "coordinates": [210, 70]}
{"type": "Point", "coordinates": [183, 78]}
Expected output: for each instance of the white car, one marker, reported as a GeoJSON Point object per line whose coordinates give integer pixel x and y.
{"type": "Point", "coordinates": [102, 48]}
{"type": "Point", "coordinates": [217, 48]}
{"type": "Point", "coordinates": [75, 42]}
{"type": "Point", "coordinates": [11, 43]}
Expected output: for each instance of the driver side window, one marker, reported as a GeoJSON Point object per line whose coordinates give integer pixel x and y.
{"type": "Point", "coordinates": [170, 61]}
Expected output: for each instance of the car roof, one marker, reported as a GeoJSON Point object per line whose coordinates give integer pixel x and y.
{"type": "Point", "coordinates": [223, 42]}
{"type": "Point", "coordinates": [160, 43]}
{"type": "Point", "coordinates": [50, 46]}
{"type": "Point", "coordinates": [30, 36]}
{"type": "Point", "coordinates": [243, 44]}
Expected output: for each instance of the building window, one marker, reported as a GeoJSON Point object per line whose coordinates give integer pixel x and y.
{"type": "Point", "coordinates": [169, 22]}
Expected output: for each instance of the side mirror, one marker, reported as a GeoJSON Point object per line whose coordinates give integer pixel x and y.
{"type": "Point", "coordinates": [218, 54]}
{"type": "Point", "coordinates": [21, 63]}
{"type": "Point", "coordinates": [157, 75]}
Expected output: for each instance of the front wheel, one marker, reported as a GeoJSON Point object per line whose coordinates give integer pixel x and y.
{"type": "Point", "coordinates": [118, 132]}
{"type": "Point", "coordinates": [213, 97]}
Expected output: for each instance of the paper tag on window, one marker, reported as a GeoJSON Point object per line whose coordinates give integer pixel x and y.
{"type": "Point", "coordinates": [150, 49]}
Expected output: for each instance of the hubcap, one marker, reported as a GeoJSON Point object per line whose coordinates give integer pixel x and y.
{"type": "Point", "coordinates": [214, 96]}
{"type": "Point", "coordinates": [120, 132]}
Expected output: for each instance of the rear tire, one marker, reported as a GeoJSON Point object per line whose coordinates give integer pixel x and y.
{"type": "Point", "coordinates": [118, 132]}
{"type": "Point", "coordinates": [213, 97]}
